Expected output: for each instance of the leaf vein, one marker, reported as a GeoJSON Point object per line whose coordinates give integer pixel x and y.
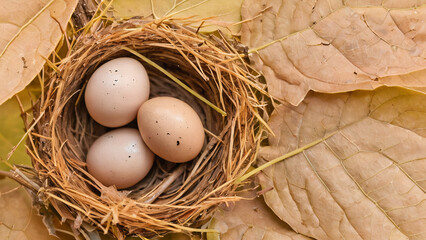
{"type": "Point", "coordinates": [363, 192]}
{"type": "Point", "coordinates": [26, 25]}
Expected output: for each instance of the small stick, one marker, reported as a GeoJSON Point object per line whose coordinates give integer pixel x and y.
{"type": "Point", "coordinates": [16, 178]}
{"type": "Point", "coordinates": [165, 184]}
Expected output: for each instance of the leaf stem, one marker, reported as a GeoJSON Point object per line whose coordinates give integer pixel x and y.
{"type": "Point", "coordinates": [26, 25]}
{"type": "Point", "coordinates": [283, 157]}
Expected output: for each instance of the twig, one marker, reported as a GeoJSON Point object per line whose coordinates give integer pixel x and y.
{"type": "Point", "coordinates": [165, 184]}
{"type": "Point", "coordinates": [15, 177]}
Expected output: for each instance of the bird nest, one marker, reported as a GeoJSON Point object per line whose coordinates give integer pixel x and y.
{"type": "Point", "coordinates": [205, 71]}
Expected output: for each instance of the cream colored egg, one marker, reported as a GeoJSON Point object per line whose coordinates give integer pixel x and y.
{"type": "Point", "coordinates": [171, 129]}
{"type": "Point", "coordinates": [119, 158]}
{"type": "Point", "coordinates": [116, 90]}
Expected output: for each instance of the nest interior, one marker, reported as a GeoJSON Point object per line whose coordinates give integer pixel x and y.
{"type": "Point", "coordinates": [173, 197]}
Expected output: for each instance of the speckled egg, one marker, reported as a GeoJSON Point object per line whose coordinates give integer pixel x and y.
{"type": "Point", "coordinates": [171, 129]}
{"type": "Point", "coordinates": [119, 158]}
{"type": "Point", "coordinates": [116, 90]}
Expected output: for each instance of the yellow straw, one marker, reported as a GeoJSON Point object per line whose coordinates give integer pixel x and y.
{"type": "Point", "coordinates": [175, 80]}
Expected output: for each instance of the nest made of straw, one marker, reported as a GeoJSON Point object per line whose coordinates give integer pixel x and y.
{"type": "Point", "coordinates": [173, 197]}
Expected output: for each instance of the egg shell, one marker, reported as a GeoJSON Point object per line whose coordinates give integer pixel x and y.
{"type": "Point", "coordinates": [120, 158]}
{"type": "Point", "coordinates": [171, 129]}
{"type": "Point", "coordinates": [116, 90]}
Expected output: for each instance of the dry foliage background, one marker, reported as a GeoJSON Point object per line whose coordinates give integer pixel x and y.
{"type": "Point", "coordinates": [365, 178]}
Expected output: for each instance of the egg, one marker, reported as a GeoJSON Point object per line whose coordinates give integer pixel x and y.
{"type": "Point", "coordinates": [116, 90]}
{"type": "Point", "coordinates": [171, 129]}
{"type": "Point", "coordinates": [120, 158]}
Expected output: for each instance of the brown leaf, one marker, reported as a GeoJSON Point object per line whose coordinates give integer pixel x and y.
{"type": "Point", "coordinates": [250, 220]}
{"type": "Point", "coordinates": [18, 219]}
{"type": "Point", "coordinates": [367, 181]}
{"type": "Point", "coordinates": [12, 127]}
{"type": "Point", "coordinates": [176, 236]}
{"type": "Point", "coordinates": [217, 14]}
{"type": "Point", "coordinates": [335, 46]}
{"type": "Point", "coordinates": [30, 31]}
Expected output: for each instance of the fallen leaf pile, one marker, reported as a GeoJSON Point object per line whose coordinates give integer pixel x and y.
{"type": "Point", "coordinates": [366, 178]}
{"type": "Point", "coordinates": [350, 75]}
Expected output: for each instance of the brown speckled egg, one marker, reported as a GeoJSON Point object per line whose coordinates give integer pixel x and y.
{"type": "Point", "coordinates": [171, 129]}
{"type": "Point", "coordinates": [116, 90]}
{"type": "Point", "coordinates": [119, 158]}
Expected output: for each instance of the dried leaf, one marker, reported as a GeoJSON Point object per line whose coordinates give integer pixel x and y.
{"type": "Point", "coordinates": [222, 12]}
{"type": "Point", "coordinates": [250, 220]}
{"type": "Point", "coordinates": [30, 31]}
{"type": "Point", "coordinates": [18, 219]}
{"type": "Point", "coordinates": [12, 126]}
{"type": "Point", "coordinates": [176, 236]}
{"type": "Point", "coordinates": [367, 181]}
{"type": "Point", "coordinates": [335, 46]}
